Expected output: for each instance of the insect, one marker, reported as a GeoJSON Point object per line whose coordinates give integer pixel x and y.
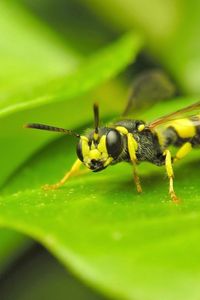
{"type": "Point", "coordinates": [135, 141]}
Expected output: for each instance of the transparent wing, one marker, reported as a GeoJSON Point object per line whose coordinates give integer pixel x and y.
{"type": "Point", "coordinates": [188, 111]}
{"type": "Point", "coordinates": [148, 88]}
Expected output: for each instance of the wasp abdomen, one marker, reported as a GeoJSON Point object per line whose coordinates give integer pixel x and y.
{"type": "Point", "coordinates": [183, 130]}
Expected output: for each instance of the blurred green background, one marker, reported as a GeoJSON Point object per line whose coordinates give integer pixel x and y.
{"type": "Point", "coordinates": [57, 58]}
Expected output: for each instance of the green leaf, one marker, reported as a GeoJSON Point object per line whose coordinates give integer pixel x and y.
{"type": "Point", "coordinates": [102, 66]}
{"type": "Point", "coordinates": [126, 245]}
{"type": "Point", "coordinates": [29, 51]}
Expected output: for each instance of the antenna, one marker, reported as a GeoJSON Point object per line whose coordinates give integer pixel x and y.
{"type": "Point", "coordinates": [96, 117]}
{"type": "Point", "coordinates": [51, 128]}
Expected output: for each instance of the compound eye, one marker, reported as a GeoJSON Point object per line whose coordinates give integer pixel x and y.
{"type": "Point", "coordinates": [79, 151]}
{"type": "Point", "coordinates": [114, 143]}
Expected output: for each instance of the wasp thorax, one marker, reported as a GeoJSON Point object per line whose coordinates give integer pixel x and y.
{"type": "Point", "coordinates": [98, 151]}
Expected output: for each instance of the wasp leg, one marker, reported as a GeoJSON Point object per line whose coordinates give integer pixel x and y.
{"type": "Point", "coordinates": [132, 145]}
{"type": "Point", "coordinates": [137, 179]}
{"type": "Point", "coordinates": [74, 170]}
{"type": "Point", "coordinates": [183, 151]}
{"type": "Point", "coordinates": [170, 174]}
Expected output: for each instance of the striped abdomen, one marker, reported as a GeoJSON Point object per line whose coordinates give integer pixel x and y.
{"type": "Point", "coordinates": [183, 130]}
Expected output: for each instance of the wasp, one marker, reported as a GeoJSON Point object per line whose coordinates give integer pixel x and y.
{"type": "Point", "coordinates": [134, 141]}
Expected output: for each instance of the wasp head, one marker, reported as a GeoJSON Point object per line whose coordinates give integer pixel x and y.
{"type": "Point", "coordinates": [98, 150]}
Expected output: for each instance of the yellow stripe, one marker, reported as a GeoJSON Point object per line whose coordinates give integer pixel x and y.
{"type": "Point", "coordinates": [141, 127]}
{"type": "Point", "coordinates": [183, 151]}
{"type": "Point", "coordinates": [95, 136]}
{"type": "Point", "coordinates": [85, 147]}
{"type": "Point", "coordinates": [132, 147]}
{"type": "Point", "coordinates": [108, 161]}
{"type": "Point", "coordinates": [94, 154]}
{"type": "Point", "coordinates": [122, 129]}
{"type": "Point", "coordinates": [168, 163]}
{"type": "Point", "coordinates": [184, 128]}
{"type": "Point", "coordinates": [102, 144]}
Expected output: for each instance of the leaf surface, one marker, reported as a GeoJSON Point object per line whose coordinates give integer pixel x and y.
{"type": "Point", "coordinates": [128, 246]}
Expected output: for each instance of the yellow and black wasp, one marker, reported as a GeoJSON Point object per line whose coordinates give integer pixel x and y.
{"type": "Point", "coordinates": [135, 141]}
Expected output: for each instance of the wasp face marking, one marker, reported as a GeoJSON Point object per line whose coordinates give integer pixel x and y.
{"type": "Point", "coordinates": [99, 152]}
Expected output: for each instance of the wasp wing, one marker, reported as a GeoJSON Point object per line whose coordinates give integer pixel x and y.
{"type": "Point", "coordinates": [188, 111]}
{"type": "Point", "coordinates": [148, 88]}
